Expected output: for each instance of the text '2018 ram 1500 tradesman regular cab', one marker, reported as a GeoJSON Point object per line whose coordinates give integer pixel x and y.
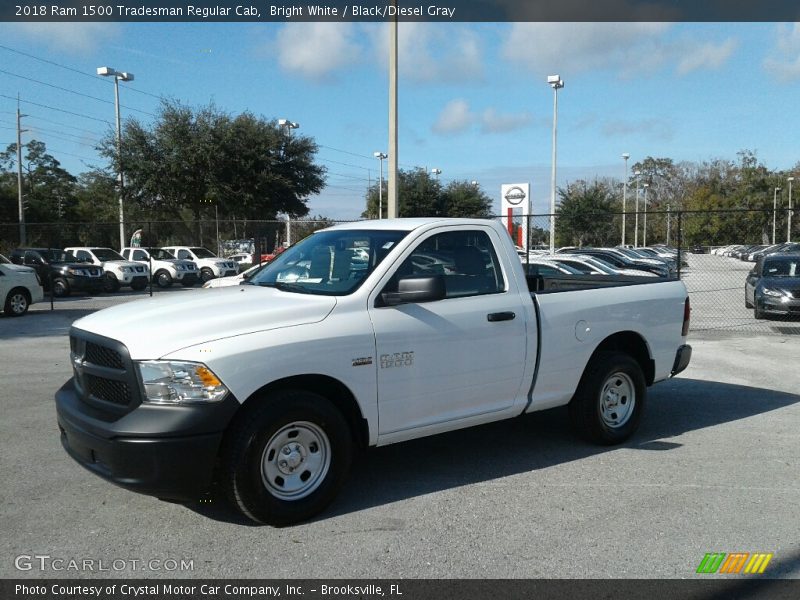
{"type": "Point", "coordinates": [360, 335]}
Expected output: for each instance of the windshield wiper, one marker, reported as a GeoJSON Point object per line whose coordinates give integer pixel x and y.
{"type": "Point", "coordinates": [284, 286]}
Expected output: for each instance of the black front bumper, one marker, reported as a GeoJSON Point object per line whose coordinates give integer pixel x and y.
{"type": "Point", "coordinates": [164, 451]}
{"type": "Point", "coordinates": [79, 283]}
{"type": "Point", "coordinates": [682, 358]}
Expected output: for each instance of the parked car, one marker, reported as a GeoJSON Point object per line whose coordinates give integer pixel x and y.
{"type": "Point", "coordinates": [232, 279]}
{"type": "Point", "coordinates": [19, 288]}
{"type": "Point", "coordinates": [773, 286]}
{"type": "Point", "coordinates": [591, 265]}
{"type": "Point", "coordinates": [166, 268]}
{"type": "Point", "coordinates": [117, 271]}
{"type": "Point", "coordinates": [272, 387]}
{"type": "Point", "coordinates": [620, 260]}
{"type": "Point", "coordinates": [242, 258]}
{"type": "Point", "coordinates": [210, 265]}
{"type": "Point", "coordinates": [67, 273]}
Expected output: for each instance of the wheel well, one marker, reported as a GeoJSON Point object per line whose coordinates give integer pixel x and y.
{"type": "Point", "coordinates": [633, 344]}
{"type": "Point", "coordinates": [332, 389]}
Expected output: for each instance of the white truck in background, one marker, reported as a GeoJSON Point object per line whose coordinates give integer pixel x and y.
{"type": "Point", "coordinates": [117, 271]}
{"type": "Point", "coordinates": [360, 335]}
{"type": "Point", "coordinates": [210, 266]}
{"type": "Point", "coordinates": [165, 267]}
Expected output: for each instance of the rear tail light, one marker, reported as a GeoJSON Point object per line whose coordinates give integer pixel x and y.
{"type": "Point", "coordinates": [687, 311]}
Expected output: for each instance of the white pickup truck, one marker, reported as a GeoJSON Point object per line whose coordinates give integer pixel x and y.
{"type": "Point", "coordinates": [210, 266]}
{"type": "Point", "coordinates": [118, 271]}
{"type": "Point", "coordinates": [165, 267]}
{"type": "Point", "coordinates": [360, 335]}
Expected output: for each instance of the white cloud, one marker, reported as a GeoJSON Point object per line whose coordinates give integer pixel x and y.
{"type": "Point", "coordinates": [455, 117]}
{"type": "Point", "coordinates": [71, 38]}
{"type": "Point", "coordinates": [493, 122]}
{"type": "Point", "coordinates": [658, 129]}
{"type": "Point", "coordinates": [317, 50]}
{"type": "Point", "coordinates": [784, 61]}
{"type": "Point", "coordinates": [627, 48]}
{"type": "Point", "coordinates": [707, 56]}
{"type": "Point", "coordinates": [432, 52]}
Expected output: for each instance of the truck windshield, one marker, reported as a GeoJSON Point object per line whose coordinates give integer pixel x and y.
{"type": "Point", "coordinates": [202, 253]}
{"type": "Point", "coordinates": [329, 263]}
{"type": "Point", "coordinates": [104, 254]}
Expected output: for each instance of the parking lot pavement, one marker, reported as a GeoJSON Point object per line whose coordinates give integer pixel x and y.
{"type": "Point", "coordinates": [713, 468]}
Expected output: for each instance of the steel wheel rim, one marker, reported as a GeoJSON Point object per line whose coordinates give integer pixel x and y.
{"type": "Point", "coordinates": [296, 460]}
{"type": "Point", "coordinates": [617, 400]}
{"type": "Point", "coordinates": [18, 303]}
{"type": "Point", "coordinates": [163, 279]}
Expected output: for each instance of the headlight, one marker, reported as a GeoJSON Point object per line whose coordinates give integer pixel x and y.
{"type": "Point", "coordinates": [127, 269]}
{"type": "Point", "coordinates": [771, 292]}
{"type": "Point", "coordinates": [171, 382]}
{"type": "Point", "coordinates": [179, 267]}
{"type": "Point", "coordinates": [78, 272]}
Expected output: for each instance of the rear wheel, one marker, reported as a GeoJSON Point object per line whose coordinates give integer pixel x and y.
{"type": "Point", "coordinates": [609, 402]}
{"type": "Point", "coordinates": [163, 279]}
{"type": "Point", "coordinates": [284, 461]}
{"type": "Point", "coordinates": [60, 288]}
{"type": "Point", "coordinates": [17, 302]}
{"type": "Point", "coordinates": [110, 283]}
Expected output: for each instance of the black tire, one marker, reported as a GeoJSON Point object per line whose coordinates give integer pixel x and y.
{"type": "Point", "coordinates": [60, 288]}
{"type": "Point", "coordinates": [17, 302]}
{"type": "Point", "coordinates": [757, 312]}
{"type": "Point", "coordinates": [139, 285]}
{"type": "Point", "coordinates": [612, 389]}
{"type": "Point", "coordinates": [747, 303]}
{"type": "Point", "coordinates": [163, 279]}
{"type": "Point", "coordinates": [206, 274]}
{"type": "Point", "coordinates": [291, 425]}
{"type": "Point", "coordinates": [110, 283]}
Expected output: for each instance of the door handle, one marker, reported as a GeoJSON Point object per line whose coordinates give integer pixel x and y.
{"type": "Point", "coordinates": [500, 316]}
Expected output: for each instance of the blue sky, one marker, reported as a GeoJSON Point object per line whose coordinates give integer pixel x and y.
{"type": "Point", "coordinates": [473, 97]}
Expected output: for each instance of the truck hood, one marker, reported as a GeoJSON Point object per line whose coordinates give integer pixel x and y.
{"type": "Point", "coordinates": [154, 327]}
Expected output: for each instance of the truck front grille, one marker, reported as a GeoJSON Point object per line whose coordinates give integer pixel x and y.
{"type": "Point", "coordinates": [103, 372]}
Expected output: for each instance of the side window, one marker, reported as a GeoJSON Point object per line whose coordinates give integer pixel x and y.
{"type": "Point", "coordinates": [184, 254]}
{"type": "Point", "coordinates": [466, 260]}
{"type": "Point", "coordinates": [84, 256]}
{"type": "Point", "coordinates": [32, 258]}
{"type": "Point", "coordinates": [139, 255]}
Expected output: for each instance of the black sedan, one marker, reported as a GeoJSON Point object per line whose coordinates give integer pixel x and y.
{"type": "Point", "coordinates": [773, 286]}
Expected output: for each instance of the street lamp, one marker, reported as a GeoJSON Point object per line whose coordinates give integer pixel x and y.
{"type": "Point", "coordinates": [289, 125]}
{"type": "Point", "coordinates": [789, 216]}
{"type": "Point", "coordinates": [474, 183]}
{"type": "Point", "coordinates": [636, 220]}
{"type": "Point", "coordinates": [774, 211]}
{"type": "Point", "coordinates": [625, 157]}
{"type": "Point", "coordinates": [555, 82]}
{"type": "Point", "coordinates": [436, 172]}
{"type": "Point", "coordinates": [110, 72]}
{"type": "Point", "coordinates": [644, 232]}
{"type": "Point", "coordinates": [381, 156]}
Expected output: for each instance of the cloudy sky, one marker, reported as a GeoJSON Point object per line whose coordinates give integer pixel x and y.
{"type": "Point", "coordinates": [473, 97]}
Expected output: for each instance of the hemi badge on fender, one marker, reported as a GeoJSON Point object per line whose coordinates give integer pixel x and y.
{"type": "Point", "coordinates": [365, 360]}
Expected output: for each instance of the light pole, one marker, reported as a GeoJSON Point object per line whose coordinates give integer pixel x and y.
{"type": "Point", "coordinates": [381, 156]}
{"type": "Point", "coordinates": [436, 172]}
{"type": "Point", "coordinates": [289, 125]}
{"type": "Point", "coordinates": [110, 72]}
{"type": "Point", "coordinates": [555, 82]}
{"type": "Point", "coordinates": [774, 211]}
{"type": "Point", "coordinates": [789, 216]}
{"type": "Point", "coordinates": [636, 220]}
{"type": "Point", "coordinates": [625, 157]}
{"type": "Point", "coordinates": [644, 231]}
{"type": "Point", "coordinates": [668, 223]}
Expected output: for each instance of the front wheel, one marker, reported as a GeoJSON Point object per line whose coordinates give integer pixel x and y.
{"type": "Point", "coordinates": [60, 288]}
{"type": "Point", "coordinates": [206, 274]}
{"type": "Point", "coordinates": [284, 461]}
{"type": "Point", "coordinates": [608, 405]}
{"type": "Point", "coordinates": [17, 303]}
{"type": "Point", "coordinates": [163, 279]}
{"type": "Point", "coordinates": [110, 283]}
{"type": "Point", "coordinates": [757, 312]}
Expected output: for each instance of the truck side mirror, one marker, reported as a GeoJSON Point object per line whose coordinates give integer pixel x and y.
{"type": "Point", "coordinates": [416, 290]}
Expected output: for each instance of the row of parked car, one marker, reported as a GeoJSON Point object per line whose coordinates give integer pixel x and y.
{"type": "Point", "coordinates": [752, 252]}
{"type": "Point", "coordinates": [653, 261]}
{"type": "Point", "coordinates": [33, 271]}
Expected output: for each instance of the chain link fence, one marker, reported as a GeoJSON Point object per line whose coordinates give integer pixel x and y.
{"type": "Point", "coordinates": [716, 282]}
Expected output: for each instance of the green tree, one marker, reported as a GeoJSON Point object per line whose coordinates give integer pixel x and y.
{"type": "Point", "coordinates": [420, 195]}
{"type": "Point", "coordinates": [585, 215]}
{"type": "Point", "coordinates": [193, 165]}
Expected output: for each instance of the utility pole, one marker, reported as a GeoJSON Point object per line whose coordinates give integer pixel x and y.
{"type": "Point", "coordinates": [22, 240]}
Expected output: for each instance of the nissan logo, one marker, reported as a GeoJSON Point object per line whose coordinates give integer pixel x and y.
{"type": "Point", "coordinates": [515, 195]}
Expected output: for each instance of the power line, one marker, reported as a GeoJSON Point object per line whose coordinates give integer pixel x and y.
{"type": "Point", "coordinates": [56, 109]}
{"type": "Point", "coordinates": [79, 72]}
{"type": "Point", "coordinates": [63, 89]}
{"type": "Point", "coordinates": [63, 124]}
